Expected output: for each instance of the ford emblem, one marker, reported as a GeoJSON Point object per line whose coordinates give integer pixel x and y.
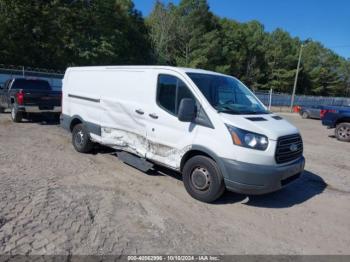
{"type": "Point", "coordinates": [293, 147]}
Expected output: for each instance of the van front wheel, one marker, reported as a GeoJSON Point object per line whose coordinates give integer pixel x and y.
{"type": "Point", "coordinates": [202, 179]}
{"type": "Point", "coordinates": [81, 139]}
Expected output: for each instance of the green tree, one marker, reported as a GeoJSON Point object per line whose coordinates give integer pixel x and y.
{"type": "Point", "coordinates": [57, 33]}
{"type": "Point", "coordinates": [185, 35]}
{"type": "Point", "coordinates": [243, 51]}
{"type": "Point", "coordinates": [162, 24]}
{"type": "Point", "coordinates": [322, 70]}
{"type": "Point", "coordinates": [281, 57]}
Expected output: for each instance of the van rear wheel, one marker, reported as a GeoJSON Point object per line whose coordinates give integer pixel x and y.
{"type": "Point", "coordinates": [81, 139]}
{"type": "Point", "coordinates": [202, 179]}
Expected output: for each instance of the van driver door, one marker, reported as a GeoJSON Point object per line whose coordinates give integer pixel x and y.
{"type": "Point", "coordinates": [168, 138]}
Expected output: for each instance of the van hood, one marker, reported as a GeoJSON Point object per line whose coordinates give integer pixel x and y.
{"type": "Point", "coordinates": [270, 125]}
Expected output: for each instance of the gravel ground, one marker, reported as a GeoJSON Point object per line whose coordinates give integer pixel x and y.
{"type": "Point", "coordinates": [54, 200]}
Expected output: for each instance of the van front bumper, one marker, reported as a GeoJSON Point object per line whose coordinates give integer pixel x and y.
{"type": "Point", "coordinates": [254, 179]}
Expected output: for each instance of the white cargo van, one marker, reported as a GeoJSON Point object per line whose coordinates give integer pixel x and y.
{"type": "Point", "coordinates": [208, 126]}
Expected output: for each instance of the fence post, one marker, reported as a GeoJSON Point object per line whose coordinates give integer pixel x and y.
{"type": "Point", "coordinates": [270, 99]}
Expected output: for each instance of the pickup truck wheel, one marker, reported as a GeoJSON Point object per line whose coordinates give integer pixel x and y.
{"type": "Point", "coordinates": [305, 115]}
{"type": "Point", "coordinates": [2, 110]}
{"type": "Point", "coordinates": [81, 139]}
{"type": "Point", "coordinates": [342, 132]}
{"type": "Point", "coordinates": [202, 179]}
{"type": "Point", "coordinates": [15, 115]}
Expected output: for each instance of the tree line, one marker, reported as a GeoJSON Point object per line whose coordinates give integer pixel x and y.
{"type": "Point", "coordinates": [56, 34]}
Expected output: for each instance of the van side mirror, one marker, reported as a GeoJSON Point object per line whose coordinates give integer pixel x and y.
{"type": "Point", "coordinates": [187, 110]}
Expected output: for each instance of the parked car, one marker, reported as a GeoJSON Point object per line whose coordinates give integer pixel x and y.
{"type": "Point", "coordinates": [338, 118]}
{"type": "Point", "coordinates": [208, 126]}
{"type": "Point", "coordinates": [311, 112]}
{"type": "Point", "coordinates": [27, 96]}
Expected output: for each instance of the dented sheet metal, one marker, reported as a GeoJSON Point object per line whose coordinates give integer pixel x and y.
{"type": "Point", "coordinates": [121, 127]}
{"type": "Point", "coordinates": [167, 155]}
{"type": "Point", "coordinates": [121, 139]}
{"type": "Point", "coordinates": [126, 130]}
{"type": "Point", "coordinates": [134, 143]}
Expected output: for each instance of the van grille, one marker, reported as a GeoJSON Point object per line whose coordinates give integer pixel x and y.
{"type": "Point", "coordinates": [285, 151]}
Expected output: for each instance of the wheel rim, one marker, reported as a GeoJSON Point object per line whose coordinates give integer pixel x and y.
{"type": "Point", "coordinates": [79, 138]}
{"type": "Point", "coordinates": [344, 132]}
{"type": "Point", "coordinates": [200, 178]}
{"type": "Point", "coordinates": [305, 115]}
{"type": "Point", "coordinates": [13, 113]}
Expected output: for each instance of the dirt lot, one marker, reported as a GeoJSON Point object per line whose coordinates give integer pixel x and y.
{"type": "Point", "coordinates": [54, 200]}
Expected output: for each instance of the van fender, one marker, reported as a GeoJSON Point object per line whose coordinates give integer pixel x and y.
{"type": "Point", "coordinates": [202, 150]}
{"type": "Point", "coordinates": [68, 122]}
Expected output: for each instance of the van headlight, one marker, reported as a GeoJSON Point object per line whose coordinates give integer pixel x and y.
{"type": "Point", "coordinates": [248, 139]}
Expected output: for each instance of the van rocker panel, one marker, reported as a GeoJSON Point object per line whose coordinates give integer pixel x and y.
{"type": "Point", "coordinates": [254, 179]}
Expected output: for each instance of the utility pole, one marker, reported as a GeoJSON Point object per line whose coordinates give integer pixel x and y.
{"type": "Point", "coordinates": [270, 99]}
{"type": "Point", "coordinates": [296, 79]}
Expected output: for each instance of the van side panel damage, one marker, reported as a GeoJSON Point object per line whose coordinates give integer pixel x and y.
{"type": "Point", "coordinates": [125, 140]}
{"type": "Point", "coordinates": [134, 143]}
{"type": "Point", "coordinates": [168, 155]}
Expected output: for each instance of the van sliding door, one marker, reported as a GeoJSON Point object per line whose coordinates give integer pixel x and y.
{"type": "Point", "coordinates": [123, 101]}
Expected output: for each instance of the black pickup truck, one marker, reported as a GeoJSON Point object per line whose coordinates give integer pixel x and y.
{"type": "Point", "coordinates": [29, 96]}
{"type": "Point", "coordinates": [338, 118]}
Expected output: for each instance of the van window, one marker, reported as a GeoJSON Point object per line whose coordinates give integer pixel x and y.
{"type": "Point", "coordinates": [167, 92]}
{"type": "Point", "coordinates": [170, 92]}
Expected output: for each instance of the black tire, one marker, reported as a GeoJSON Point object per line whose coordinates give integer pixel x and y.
{"type": "Point", "coordinates": [2, 110]}
{"type": "Point", "coordinates": [16, 116]}
{"type": "Point", "coordinates": [81, 139]}
{"type": "Point", "coordinates": [202, 179]}
{"type": "Point", "coordinates": [305, 115]}
{"type": "Point", "coordinates": [342, 132]}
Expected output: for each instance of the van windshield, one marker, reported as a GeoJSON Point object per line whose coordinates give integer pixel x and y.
{"type": "Point", "coordinates": [227, 95]}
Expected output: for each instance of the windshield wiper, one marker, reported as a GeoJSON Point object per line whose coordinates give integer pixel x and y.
{"type": "Point", "coordinates": [226, 109]}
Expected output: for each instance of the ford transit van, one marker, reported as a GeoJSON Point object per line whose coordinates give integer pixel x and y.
{"type": "Point", "coordinates": [207, 126]}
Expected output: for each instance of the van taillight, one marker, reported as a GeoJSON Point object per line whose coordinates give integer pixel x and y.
{"type": "Point", "coordinates": [20, 97]}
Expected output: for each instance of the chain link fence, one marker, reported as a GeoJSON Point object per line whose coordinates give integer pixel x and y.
{"type": "Point", "coordinates": [52, 76]}
{"type": "Point", "coordinates": [284, 100]}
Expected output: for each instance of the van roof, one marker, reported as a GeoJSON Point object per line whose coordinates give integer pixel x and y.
{"type": "Point", "coordinates": [145, 67]}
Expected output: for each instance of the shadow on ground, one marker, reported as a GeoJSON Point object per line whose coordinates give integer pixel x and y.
{"type": "Point", "coordinates": [43, 119]}
{"type": "Point", "coordinates": [301, 190]}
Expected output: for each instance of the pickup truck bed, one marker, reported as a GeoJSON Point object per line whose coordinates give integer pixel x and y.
{"type": "Point", "coordinates": [27, 96]}
{"type": "Point", "coordinates": [338, 118]}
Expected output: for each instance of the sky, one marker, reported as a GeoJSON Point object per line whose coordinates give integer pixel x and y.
{"type": "Point", "coordinates": [326, 21]}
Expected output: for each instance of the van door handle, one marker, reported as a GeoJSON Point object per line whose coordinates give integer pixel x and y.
{"type": "Point", "coordinates": [139, 111]}
{"type": "Point", "coordinates": [153, 115]}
